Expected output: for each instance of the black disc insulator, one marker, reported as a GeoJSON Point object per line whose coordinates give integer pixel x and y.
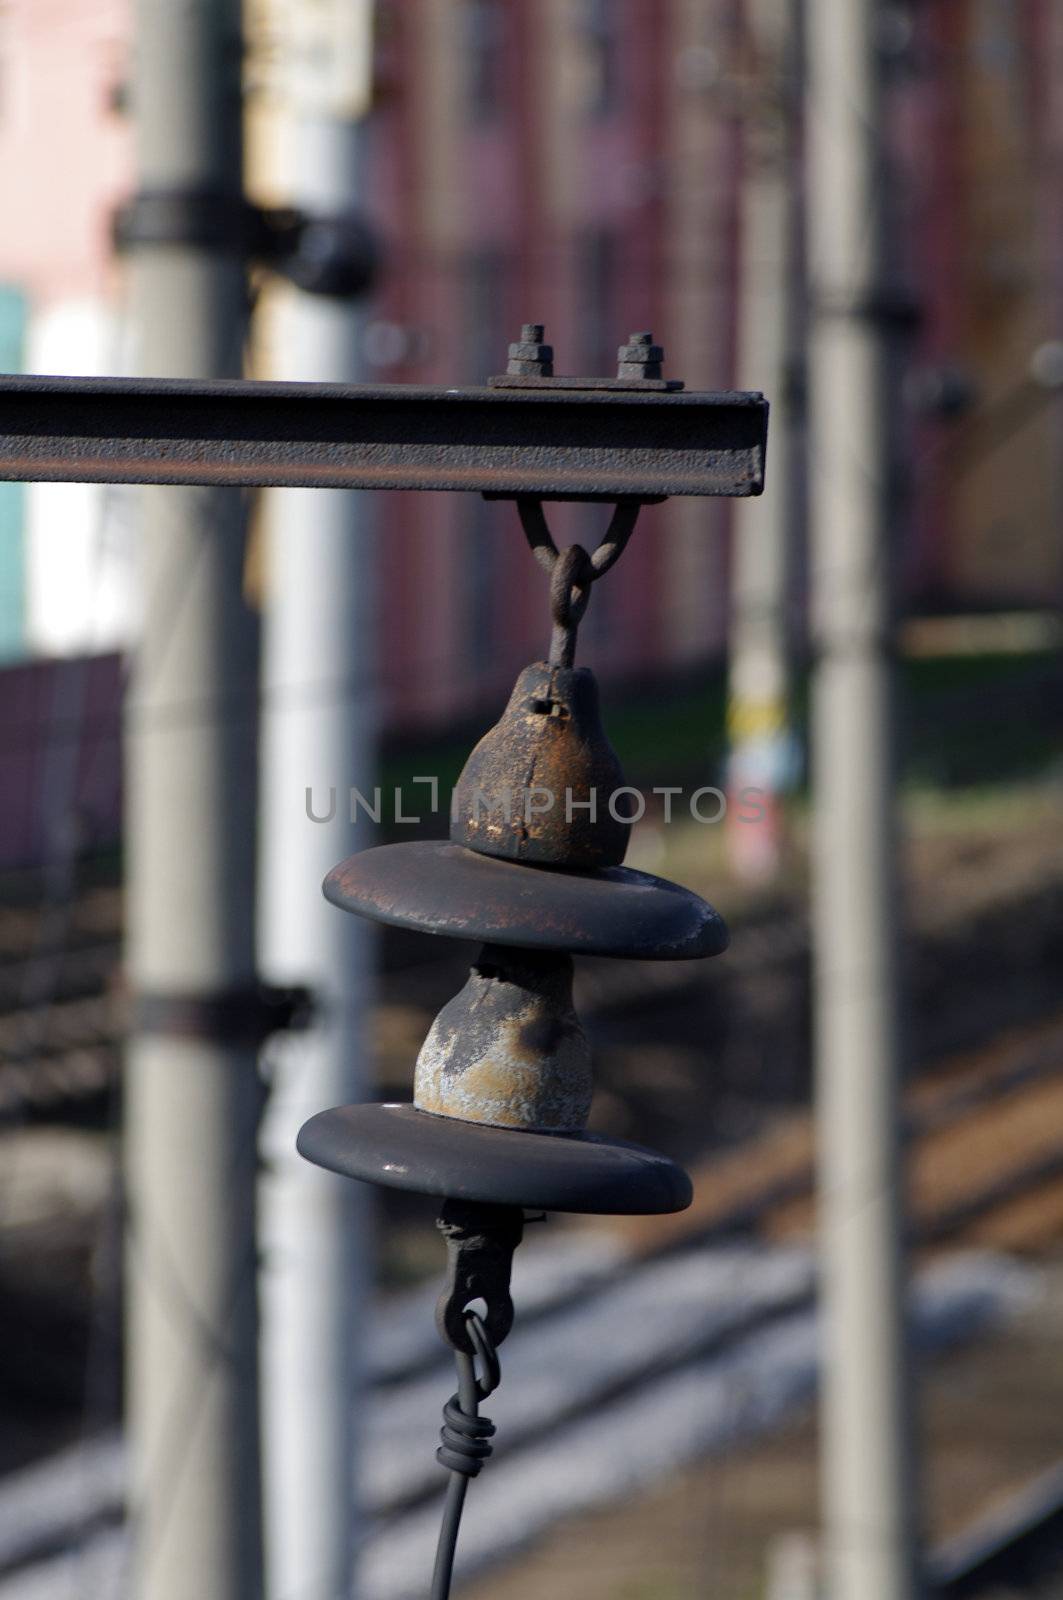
{"type": "Point", "coordinates": [403, 1148]}
{"type": "Point", "coordinates": [435, 887]}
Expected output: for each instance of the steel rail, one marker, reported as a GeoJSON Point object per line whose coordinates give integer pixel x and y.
{"type": "Point", "coordinates": [599, 442]}
{"type": "Point", "coordinates": [1015, 1546]}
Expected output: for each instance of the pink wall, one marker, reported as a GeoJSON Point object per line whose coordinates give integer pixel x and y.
{"type": "Point", "coordinates": [65, 147]}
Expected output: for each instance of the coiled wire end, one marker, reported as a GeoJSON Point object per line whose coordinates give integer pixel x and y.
{"type": "Point", "coordinates": [465, 1447]}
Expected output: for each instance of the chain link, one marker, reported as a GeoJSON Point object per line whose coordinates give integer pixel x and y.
{"type": "Point", "coordinates": [573, 571]}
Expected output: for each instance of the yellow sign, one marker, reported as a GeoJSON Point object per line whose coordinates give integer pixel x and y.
{"type": "Point", "coordinates": [314, 56]}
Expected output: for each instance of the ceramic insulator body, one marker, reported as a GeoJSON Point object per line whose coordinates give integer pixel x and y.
{"type": "Point", "coordinates": [508, 1050]}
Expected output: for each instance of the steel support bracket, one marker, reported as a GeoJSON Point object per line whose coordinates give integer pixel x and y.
{"type": "Point", "coordinates": [618, 441]}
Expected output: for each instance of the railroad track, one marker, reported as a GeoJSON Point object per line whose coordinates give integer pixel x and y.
{"type": "Point", "coordinates": [731, 1283]}
{"type": "Point", "coordinates": [986, 1139]}
{"type": "Point", "coordinates": [593, 1407]}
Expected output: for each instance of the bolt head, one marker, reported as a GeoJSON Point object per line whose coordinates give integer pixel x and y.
{"type": "Point", "coordinates": [640, 352]}
{"type": "Point", "coordinates": [529, 357]}
{"type": "Point", "coordinates": [639, 358]}
{"type": "Point", "coordinates": [527, 350]}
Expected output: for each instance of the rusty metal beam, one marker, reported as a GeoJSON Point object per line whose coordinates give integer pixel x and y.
{"type": "Point", "coordinates": [556, 443]}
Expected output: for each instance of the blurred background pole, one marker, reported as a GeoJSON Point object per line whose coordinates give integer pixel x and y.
{"type": "Point", "coordinates": [318, 736]}
{"type": "Point", "coordinates": [868, 1466]}
{"type": "Point", "coordinates": [762, 745]}
{"type": "Point", "coordinates": [192, 1089]}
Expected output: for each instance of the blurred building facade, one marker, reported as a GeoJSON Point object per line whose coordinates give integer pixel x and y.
{"type": "Point", "coordinates": [66, 158]}
{"type": "Point", "coordinates": [981, 148]}
{"type": "Point", "coordinates": [570, 162]}
{"type": "Point", "coordinates": [578, 163]}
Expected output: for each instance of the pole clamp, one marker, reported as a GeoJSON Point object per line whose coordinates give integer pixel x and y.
{"type": "Point", "coordinates": [887, 306]}
{"type": "Point", "coordinates": [244, 1015]}
{"type": "Point", "coordinates": [334, 254]}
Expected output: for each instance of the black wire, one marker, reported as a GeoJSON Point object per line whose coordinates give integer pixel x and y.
{"type": "Point", "coordinates": [469, 1398]}
{"type": "Point", "coordinates": [465, 1445]}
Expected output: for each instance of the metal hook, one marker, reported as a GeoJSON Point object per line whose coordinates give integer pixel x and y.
{"type": "Point", "coordinates": [481, 1239]}
{"type": "Point", "coordinates": [573, 571]}
{"type": "Point", "coordinates": [541, 540]}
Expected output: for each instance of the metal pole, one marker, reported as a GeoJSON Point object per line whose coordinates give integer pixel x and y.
{"type": "Point", "coordinates": [318, 735]}
{"type": "Point", "coordinates": [763, 753]}
{"type": "Point", "coordinates": [192, 1090]}
{"type": "Point", "coordinates": [868, 1488]}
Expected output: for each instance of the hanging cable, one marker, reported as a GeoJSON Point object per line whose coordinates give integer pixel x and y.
{"type": "Point", "coordinates": [466, 1442]}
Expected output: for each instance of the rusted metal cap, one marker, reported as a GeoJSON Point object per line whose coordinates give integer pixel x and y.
{"type": "Point", "coordinates": [544, 784]}
{"type": "Point", "coordinates": [436, 887]}
{"type": "Point", "coordinates": [403, 1148]}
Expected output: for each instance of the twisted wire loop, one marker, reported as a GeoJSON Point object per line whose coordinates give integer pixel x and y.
{"type": "Point", "coordinates": [572, 571]}
{"type": "Point", "coordinates": [465, 1447]}
{"type": "Point", "coordinates": [465, 1434]}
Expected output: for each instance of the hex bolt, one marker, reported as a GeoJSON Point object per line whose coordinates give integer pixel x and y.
{"type": "Point", "coordinates": [640, 357]}
{"type": "Point", "coordinates": [530, 357]}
